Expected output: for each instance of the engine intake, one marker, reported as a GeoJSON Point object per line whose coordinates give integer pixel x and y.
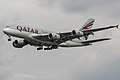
{"type": "Point", "coordinates": [78, 33]}
{"type": "Point", "coordinates": [19, 44]}
{"type": "Point", "coordinates": [54, 36]}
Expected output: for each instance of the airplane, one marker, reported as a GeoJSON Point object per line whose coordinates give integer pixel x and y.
{"type": "Point", "coordinates": [47, 40]}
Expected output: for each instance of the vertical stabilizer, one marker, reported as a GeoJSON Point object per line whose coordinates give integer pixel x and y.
{"type": "Point", "coordinates": [88, 25]}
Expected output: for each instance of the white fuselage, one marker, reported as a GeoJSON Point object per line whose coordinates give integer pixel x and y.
{"type": "Point", "coordinates": [27, 33]}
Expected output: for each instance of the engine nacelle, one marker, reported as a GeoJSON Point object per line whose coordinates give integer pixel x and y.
{"type": "Point", "coordinates": [78, 33]}
{"type": "Point", "coordinates": [54, 36]}
{"type": "Point", "coordinates": [19, 44]}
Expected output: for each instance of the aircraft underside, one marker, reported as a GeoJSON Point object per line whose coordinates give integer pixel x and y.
{"type": "Point", "coordinates": [45, 40]}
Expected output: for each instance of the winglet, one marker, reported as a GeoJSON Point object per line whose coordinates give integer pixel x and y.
{"type": "Point", "coordinates": [117, 26]}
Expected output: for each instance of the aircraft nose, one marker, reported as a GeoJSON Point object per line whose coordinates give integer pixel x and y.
{"type": "Point", "coordinates": [5, 30]}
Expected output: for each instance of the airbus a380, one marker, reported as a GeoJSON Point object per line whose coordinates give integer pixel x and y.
{"type": "Point", "coordinates": [51, 40]}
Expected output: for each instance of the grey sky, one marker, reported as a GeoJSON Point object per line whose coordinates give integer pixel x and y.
{"type": "Point", "coordinates": [100, 61]}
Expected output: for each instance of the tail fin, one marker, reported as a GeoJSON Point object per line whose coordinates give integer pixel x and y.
{"type": "Point", "coordinates": [87, 25]}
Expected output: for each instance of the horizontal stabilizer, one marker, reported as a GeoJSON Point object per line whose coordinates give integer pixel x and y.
{"type": "Point", "coordinates": [93, 41]}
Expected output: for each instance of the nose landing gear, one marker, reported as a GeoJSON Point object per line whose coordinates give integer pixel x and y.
{"type": "Point", "coordinates": [9, 39]}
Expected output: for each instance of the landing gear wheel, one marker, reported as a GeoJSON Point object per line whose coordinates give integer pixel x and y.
{"type": "Point", "coordinates": [40, 48]}
{"type": "Point", "coordinates": [54, 47]}
{"type": "Point", "coordinates": [51, 47]}
{"type": "Point", "coordinates": [9, 39]}
{"type": "Point", "coordinates": [47, 48]}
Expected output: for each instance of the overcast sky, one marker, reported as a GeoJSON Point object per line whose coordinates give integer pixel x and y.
{"type": "Point", "coordinates": [101, 61]}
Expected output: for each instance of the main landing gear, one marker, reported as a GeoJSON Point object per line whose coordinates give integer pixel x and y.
{"type": "Point", "coordinates": [48, 47]}
{"type": "Point", "coordinates": [39, 48]}
{"type": "Point", "coordinates": [51, 47]}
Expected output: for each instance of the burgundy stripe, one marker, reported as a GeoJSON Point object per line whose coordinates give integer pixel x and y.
{"type": "Point", "coordinates": [88, 25]}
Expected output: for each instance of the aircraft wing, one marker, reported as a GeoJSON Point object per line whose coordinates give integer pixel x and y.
{"type": "Point", "coordinates": [90, 30]}
{"type": "Point", "coordinates": [99, 29]}
{"type": "Point", "coordinates": [65, 36]}
{"type": "Point", "coordinates": [93, 41]}
{"type": "Point", "coordinates": [41, 37]}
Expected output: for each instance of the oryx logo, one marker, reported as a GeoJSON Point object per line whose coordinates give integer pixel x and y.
{"type": "Point", "coordinates": [87, 26]}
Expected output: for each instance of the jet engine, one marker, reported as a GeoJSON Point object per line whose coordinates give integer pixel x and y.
{"type": "Point", "coordinates": [54, 36]}
{"type": "Point", "coordinates": [78, 33]}
{"type": "Point", "coordinates": [19, 44]}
